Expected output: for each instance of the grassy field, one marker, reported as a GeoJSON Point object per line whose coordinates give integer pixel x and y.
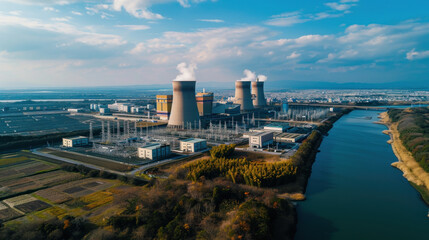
{"type": "Point", "coordinates": [90, 160]}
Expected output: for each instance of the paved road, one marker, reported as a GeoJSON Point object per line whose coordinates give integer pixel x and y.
{"type": "Point", "coordinates": [36, 152]}
{"type": "Point", "coordinates": [133, 172]}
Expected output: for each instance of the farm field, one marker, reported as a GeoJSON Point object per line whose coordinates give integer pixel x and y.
{"type": "Point", "coordinates": [90, 160]}
{"type": "Point", "coordinates": [23, 172]}
{"type": "Point", "coordinates": [34, 187]}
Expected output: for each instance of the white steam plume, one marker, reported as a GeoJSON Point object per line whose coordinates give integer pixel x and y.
{"type": "Point", "coordinates": [262, 78]}
{"type": "Point", "coordinates": [187, 72]}
{"type": "Point", "coordinates": [249, 75]}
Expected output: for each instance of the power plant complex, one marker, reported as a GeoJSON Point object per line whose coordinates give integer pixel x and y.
{"type": "Point", "coordinates": [185, 108]}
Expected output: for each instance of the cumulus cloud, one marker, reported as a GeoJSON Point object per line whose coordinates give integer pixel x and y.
{"type": "Point", "coordinates": [89, 38]}
{"type": "Point", "coordinates": [262, 78]}
{"type": "Point", "coordinates": [293, 55]}
{"type": "Point", "coordinates": [134, 27]}
{"type": "Point", "coordinates": [187, 72]}
{"type": "Point", "coordinates": [249, 76]}
{"type": "Point", "coordinates": [50, 9]}
{"type": "Point", "coordinates": [141, 8]}
{"type": "Point", "coordinates": [76, 13]}
{"type": "Point", "coordinates": [211, 20]}
{"type": "Point", "coordinates": [414, 55]}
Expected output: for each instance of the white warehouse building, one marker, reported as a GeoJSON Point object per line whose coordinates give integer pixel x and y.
{"type": "Point", "coordinates": [154, 151]}
{"type": "Point", "coordinates": [193, 145]}
{"type": "Point", "coordinates": [75, 141]}
{"type": "Point", "coordinates": [260, 139]}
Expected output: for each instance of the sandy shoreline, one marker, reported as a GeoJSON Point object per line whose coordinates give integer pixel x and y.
{"type": "Point", "coordinates": [406, 163]}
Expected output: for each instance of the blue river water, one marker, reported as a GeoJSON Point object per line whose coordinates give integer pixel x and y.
{"type": "Point", "coordinates": [354, 193]}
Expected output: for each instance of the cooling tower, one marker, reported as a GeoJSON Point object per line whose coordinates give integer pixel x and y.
{"type": "Point", "coordinates": [184, 111]}
{"type": "Point", "coordinates": [243, 96]}
{"type": "Point", "coordinates": [258, 92]}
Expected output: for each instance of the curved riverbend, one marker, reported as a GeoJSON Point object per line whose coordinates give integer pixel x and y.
{"type": "Point", "coordinates": [354, 193]}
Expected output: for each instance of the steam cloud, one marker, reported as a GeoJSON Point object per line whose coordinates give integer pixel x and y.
{"type": "Point", "coordinates": [262, 78]}
{"type": "Point", "coordinates": [187, 72]}
{"type": "Point", "coordinates": [249, 75]}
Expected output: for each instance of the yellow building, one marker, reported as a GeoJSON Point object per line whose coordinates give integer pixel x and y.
{"type": "Point", "coordinates": [205, 103]}
{"type": "Point", "coordinates": [163, 106]}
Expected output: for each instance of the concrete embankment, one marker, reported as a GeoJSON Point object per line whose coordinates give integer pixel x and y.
{"type": "Point", "coordinates": [411, 169]}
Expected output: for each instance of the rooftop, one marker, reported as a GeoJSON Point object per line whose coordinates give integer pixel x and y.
{"type": "Point", "coordinates": [194, 140]}
{"type": "Point", "coordinates": [277, 125]}
{"type": "Point", "coordinates": [76, 138]}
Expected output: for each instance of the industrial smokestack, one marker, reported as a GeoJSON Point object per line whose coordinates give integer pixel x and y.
{"type": "Point", "coordinates": [243, 96]}
{"type": "Point", "coordinates": [184, 111]}
{"type": "Point", "coordinates": [258, 91]}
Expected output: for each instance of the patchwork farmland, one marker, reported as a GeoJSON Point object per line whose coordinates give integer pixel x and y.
{"type": "Point", "coordinates": [34, 187]}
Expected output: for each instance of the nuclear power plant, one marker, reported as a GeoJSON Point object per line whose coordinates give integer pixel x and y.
{"type": "Point", "coordinates": [243, 96]}
{"type": "Point", "coordinates": [258, 93]}
{"type": "Point", "coordinates": [184, 111]}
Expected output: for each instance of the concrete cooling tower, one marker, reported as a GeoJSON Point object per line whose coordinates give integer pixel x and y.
{"type": "Point", "coordinates": [243, 96]}
{"type": "Point", "coordinates": [184, 111]}
{"type": "Point", "coordinates": [258, 90]}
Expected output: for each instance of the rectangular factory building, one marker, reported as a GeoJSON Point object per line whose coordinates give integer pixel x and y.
{"type": "Point", "coordinates": [163, 106]}
{"type": "Point", "coordinates": [193, 145]}
{"type": "Point", "coordinates": [154, 151]}
{"type": "Point", "coordinates": [75, 141]}
{"type": "Point", "coordinates": [277, 127]}
{"type": "Point", "coordinates": [289, 137]}
{"type": "Point", "coordinates": [204, 103]}
{"type": "Point", "coordinates": [260, 139]}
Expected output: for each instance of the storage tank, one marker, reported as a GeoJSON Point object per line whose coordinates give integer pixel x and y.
{"type": "Point", "coordinates": [258, 91]}
{"type": "Point", "coordinates": [184, 111]}
{"type": "Point", "coordinates": [243, 96]}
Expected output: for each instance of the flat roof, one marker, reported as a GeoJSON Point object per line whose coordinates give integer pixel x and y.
{"type": "Point", "coordinates": [193, 140]}
{"type": "Point", "coordinates": [289, 135]}
{"type": "Point", "coordinates": [277, 125]}
{"type": "Point", "coordinates": [76, 138]}
{"type": "Point", "coordinates": [258, 133]}
{"type": "Point", "coordinates": [152, 146]}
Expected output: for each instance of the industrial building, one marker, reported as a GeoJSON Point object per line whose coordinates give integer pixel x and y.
{"type": "Point", "coordinates": [204, 103]}
{"type": "Point", "coordinates": [163, 106]}
{"type": "Point", "coordinates": [243, 96]}
{"type": "Point", "coordinates": [277, 127]}
{"type": "Point", "coordinates": [120, 107]}
{"type": "Point", "coordinates": [258, 93]}
{"type": "Point", "coordinates": [184, 111]}
{"type": "Point", "coordinates": [154, 151]}
{"type": "Point", "coordinates": [289, 137]}
{"type": "Point", "coordinates": [193, 145]}
{"type": "Point", "coordinates": [75, 141]}
{"type": "Point", "coordinates": [260, 139]}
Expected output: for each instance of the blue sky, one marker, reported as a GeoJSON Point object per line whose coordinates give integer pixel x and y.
{"type": "Point", "coordinates": [70, 43]}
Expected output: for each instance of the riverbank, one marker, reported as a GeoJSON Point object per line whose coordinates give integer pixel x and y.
{"type": "Point", "coordinates": [411, 169]}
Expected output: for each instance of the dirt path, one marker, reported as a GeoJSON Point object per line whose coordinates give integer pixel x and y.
{"type": "Point", "coordinates": [411, 169]}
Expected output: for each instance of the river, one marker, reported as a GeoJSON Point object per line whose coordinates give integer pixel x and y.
{"type": "Point", "coordinates": [354, 193]}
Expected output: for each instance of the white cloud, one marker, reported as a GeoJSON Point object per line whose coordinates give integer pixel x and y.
{"type": "Point", "coordinates": [293, 55]}
{"type": "Point", "coordinates": [50, 9]}
{"type": "Point", "coordinates": [203, 45]}
{"type": "Point", "coordinates": [89, 38]}
{"type": "Point", "coordinates": [414, 55]}
{"type": "Point", "coordinates": [249, 75]}
{"type": "Point", "coordinates": [286, 19]}
{"type": "Point", "coordinates": [211, 20]}
{"type": "Point", "coordinates": [60, 19]}
{"type": "Point", "coordinates": [141, 8]}
{"type": "Point", "coordinates": [15, 13]}
{"type": "Point", "coordinates": [187, 72]}
{"type": "Point", "coordinates": [134, 27]}
{"type": "Point", "coordinates": [76, 13]}
{"type": "Point", "coordinates": [338, 6]}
